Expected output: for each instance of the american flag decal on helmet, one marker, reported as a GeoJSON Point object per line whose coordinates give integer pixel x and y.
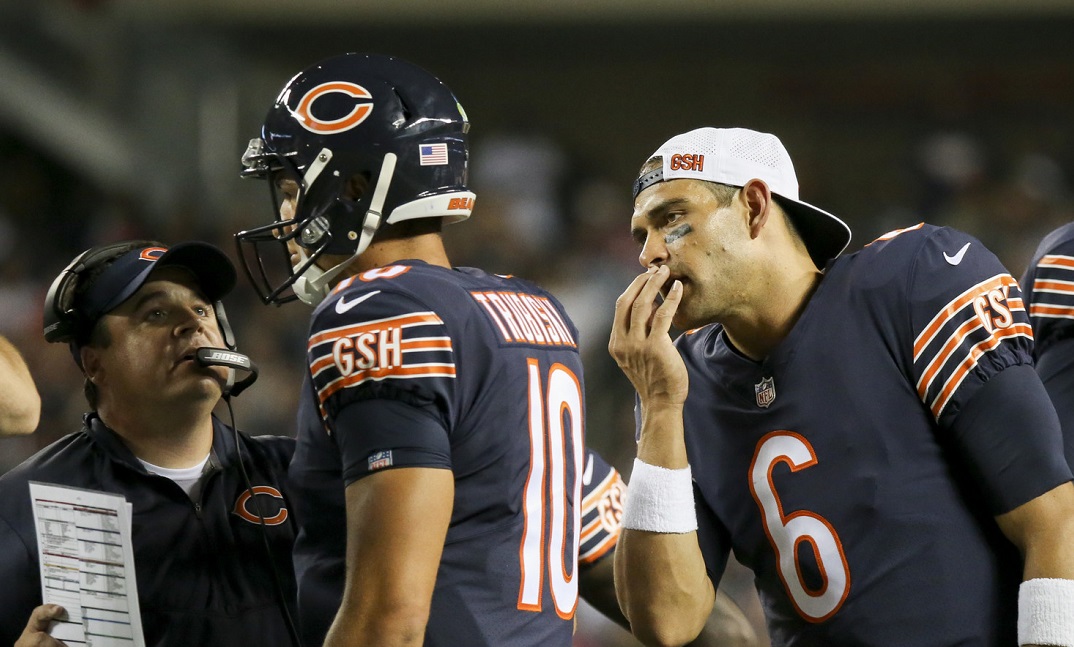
{"type": "Point", "coordinates": [433, 154]}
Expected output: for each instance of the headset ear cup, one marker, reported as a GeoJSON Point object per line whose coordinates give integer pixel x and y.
{"type": "Point", "coordinates": [61, 321]}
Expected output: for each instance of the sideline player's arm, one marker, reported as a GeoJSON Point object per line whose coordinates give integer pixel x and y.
{"type": "Point", "coordinates": [660, 578]}
{"type": "Point", "coordinates": [727, 625]}
{"type": "Point", "coordinates": [20, 403]}
{"type": "Point", "coordinates": [397, 520]}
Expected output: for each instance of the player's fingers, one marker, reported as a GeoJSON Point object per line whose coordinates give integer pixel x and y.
{"type": "Point", "coordinates": [646, 303]}
{"type": "Point", "coordinates": [625, 303]}
{"type": "Point", "coordinates": [661, 322]}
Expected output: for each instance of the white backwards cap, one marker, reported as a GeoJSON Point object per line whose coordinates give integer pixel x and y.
{"type": "Point", "coordinates": [734, 156]}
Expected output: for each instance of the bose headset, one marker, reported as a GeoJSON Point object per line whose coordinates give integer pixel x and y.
{"type": "Point", "coordinates": [64, 323]}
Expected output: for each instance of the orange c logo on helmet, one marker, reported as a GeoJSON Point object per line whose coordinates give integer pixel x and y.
{"type": "Point", "coordinates": [152, 253]}
{"type": "Point", "coordinates": [244, 498]}
{"type": "Point", "coordinates": [356, 116]}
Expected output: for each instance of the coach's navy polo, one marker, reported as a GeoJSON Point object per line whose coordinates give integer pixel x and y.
{"type": "Point", "coordinates": [204, 574]}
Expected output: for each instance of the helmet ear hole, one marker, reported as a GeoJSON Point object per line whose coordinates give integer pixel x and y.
{"type": "Point", "coordinates": [357, 185]}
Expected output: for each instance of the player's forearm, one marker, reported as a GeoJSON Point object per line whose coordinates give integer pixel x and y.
{"type": "Point", "coordinates": [20, 403]}
{"type": "Point", "coordinates": [660, 576]}
{"type": "Point", "coordinates": [662, 586]}
{"type": "Point", "coordinates": [1043, 530]}
{"type": "Point", "coordinates": [378, 623]}
{"type": "Point", "coordinates": [661, 441]}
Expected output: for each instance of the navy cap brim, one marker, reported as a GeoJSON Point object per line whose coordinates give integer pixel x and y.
{"type": "Point", "coordinates": [211, 268]}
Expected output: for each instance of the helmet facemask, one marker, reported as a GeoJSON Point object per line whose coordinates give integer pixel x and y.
{"type": "Point", "coordinates": [266, 251]}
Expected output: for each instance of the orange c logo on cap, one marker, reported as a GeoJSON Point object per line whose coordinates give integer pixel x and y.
{"type": "Point", "coordinates": [152, 253]}
{"type": "Point", "coordinates": [356, 116]}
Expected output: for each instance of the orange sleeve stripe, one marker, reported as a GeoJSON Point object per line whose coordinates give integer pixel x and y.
{"type": "Point", "coordinates": [321, 364]}
{"type": "Point", "coordinates": [967, 364]}
{"type": "Point", "coordinates": [1041, 310]}
{"type": "Point", "coordinates": [945, 353]}
{"type": "Point", "coordinates": [590, 530]}
{"type": "Point", "coordinates": [598, 492]}
{"type": "Point", "coordinates": [600, 550]}
{"type": "Point", "coordinates": [1053, 285]}
{"type": "Point", "coordinates": [955, 306]}
{"type": "Point", "coordinates": [427, 343]}
{"type": "Point", "coordinates": [427, 370]}
{"type": "Point", "coordinates": [402, 321]}
{"type": "Point", "coordinates": [1056, 260]}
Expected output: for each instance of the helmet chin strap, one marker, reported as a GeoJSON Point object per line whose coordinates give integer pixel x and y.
{"type": "Point", "coordinates": [313, 285]}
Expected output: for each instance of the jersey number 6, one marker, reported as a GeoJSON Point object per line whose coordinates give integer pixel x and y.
{"type": "Point", "coordinates": [549, 438]}
{"type": "Point", "coordinates": [787, 532]}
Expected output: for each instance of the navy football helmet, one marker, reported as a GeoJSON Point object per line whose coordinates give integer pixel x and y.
{"type": "Point", "coordinates": [378, 119]}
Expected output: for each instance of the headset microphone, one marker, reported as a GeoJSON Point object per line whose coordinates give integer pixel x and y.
{"type": "Point", "coordinates": [232, 360]}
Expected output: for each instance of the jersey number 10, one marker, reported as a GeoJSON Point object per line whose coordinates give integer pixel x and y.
{"type": "Point", "coordinates": [549, 439]}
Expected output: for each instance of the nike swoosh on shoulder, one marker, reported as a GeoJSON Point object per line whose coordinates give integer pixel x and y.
{"type": "Point", "coordinates": [343, 306]}
{"type": "Point", "coordinates": [957, 258]}
{"type": "Point", "coordinates": [587, 475]}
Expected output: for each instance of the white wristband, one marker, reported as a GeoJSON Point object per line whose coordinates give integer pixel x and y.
{"type": "Point", "coordinates": [1046, 612]}
{"type": "Point", "coordinates": [659, 500]}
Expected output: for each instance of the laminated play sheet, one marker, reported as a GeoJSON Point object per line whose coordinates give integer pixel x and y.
{"type": "Point", "coordinates": [87, 565]}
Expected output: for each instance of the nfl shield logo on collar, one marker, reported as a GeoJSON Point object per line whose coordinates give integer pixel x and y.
{"type": "Point", "coordinates": [766, 392]}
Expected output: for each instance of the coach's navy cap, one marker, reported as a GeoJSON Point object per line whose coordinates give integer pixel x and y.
{"type": "Point", "coordinates": [212, 269]}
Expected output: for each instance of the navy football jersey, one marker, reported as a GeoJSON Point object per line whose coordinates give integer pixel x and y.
{"type": "Point", "coordinates": [491, 364]}
{"type": "Point", "coordinates": [830, 469]}
{"type": "Point", "coordinates": [1048, 285]}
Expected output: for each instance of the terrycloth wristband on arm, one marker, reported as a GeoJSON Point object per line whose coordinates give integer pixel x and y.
{"type": "Point", "coordinates": [1045, 612]}
{"type": "Point", "coordinates": [659, 500]}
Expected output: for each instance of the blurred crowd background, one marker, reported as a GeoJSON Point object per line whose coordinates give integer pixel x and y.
{"type": "Point", "coordinates": [126, 119]}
